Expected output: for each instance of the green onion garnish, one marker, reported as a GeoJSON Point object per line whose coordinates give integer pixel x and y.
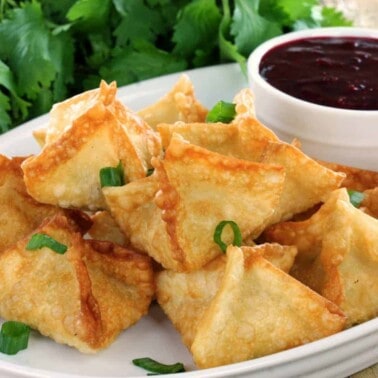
{"type": "Point", "coordinates": [38, 241]}
{"type": "Point", "coordinates": [14, 336]}
{"type": "Point", "coordinates": [150, 171]}
{"type": "Point", "coordinates": [218, 234]}
{"type": "Point", "coordinates": [355, 197]}
{"type": "Point", "coordinates": [221, 112]}
{"type": "Point", "coordinates": [112, 176]}
{"type": "Point", "coordinates": [156, 367]}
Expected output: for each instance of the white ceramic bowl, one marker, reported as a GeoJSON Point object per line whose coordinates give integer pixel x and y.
{"type": "Point", "coordinates": [344, 136]}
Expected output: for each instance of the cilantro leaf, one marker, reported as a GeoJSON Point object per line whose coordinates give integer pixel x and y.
{"type": "Point", "coordinates": [249, 28]}
{"type": "Point", "coordinates": [5, 119]}
{"type": "Point", "coordinates": [297, 10]}
{"type": "Point", "coordinates": [139, 62]}
{"type": "Point", "coordinates": [20, 107]}
{"type": "Point", "coordinates": [62, 57]}
{"type": "Point", "coordinates": [89, 15]}
{"type": "Point", "coordinates": [25, 48]}
{"type": "Point", "coordinates": [333, 17]}
{"type": "Point", "coordinates": [131, 27]}
{"type": "Point", "coordinates": [228, 51]}
{"type": "Point", "coordinates": [197, 28]}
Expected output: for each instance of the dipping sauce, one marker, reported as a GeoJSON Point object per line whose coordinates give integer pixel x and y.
{"type": "Point", "coordinates": [340, 72]}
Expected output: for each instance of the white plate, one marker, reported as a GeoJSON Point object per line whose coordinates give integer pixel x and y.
{"type": "Point", "coordinates": [335, 356]}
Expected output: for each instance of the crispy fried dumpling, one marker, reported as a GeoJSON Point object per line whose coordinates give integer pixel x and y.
{"type": "Point", "coordinates": [63, 114]}
{"type": "Point", "coordinates": [179, 104]}
{"type": "Point", "coordinates": [104, 227]}
{"type": "Point", "coordinates": [241, 306]}
{"type": "Point", "coordinates": [306, 182]}
{"type": "Point", "coordinates": [194, 291]}
{"type": "Point", "coordinates": [246, 117]}
{"type": "Point", "coordinates": [19, 213]}
{"type": "Point", "coordinates": [337, 255]}
{"type": "Point", "coordinates": [355, 178]}
{"type": "Point", "coordinates": [66, 172]}
{"type": "Point", "coordinates": [83, 298]}
{"type": "Point", "coordinates": [370, 202]}
{"type": "Point", "coordinates": [173, 214]}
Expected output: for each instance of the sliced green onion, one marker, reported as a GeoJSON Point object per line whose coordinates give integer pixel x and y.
{"type": "Point", "coordinates": [14, 336]}
{"type": "Point", "coordinates": [355, 197]}
{"type": "Point", "coordinates": [219, 230]}
{"type": "Point", "coordinates": [112, 176]}
{"type": "Point", "coordinates": [221, 112]}
{"type": "Point", "coordinates": [38, 241]}
{"type": "Point", "coordinates": [150, 171]}
{"type": "Point", "coordinates": [157, 367]}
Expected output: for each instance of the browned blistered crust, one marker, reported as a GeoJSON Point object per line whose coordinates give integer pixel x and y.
{"type": "Point", "coordinates": [355, 178]}
{"type": "Point", "coordinates": [19, 212]}
{"type": "Point", "coordinates": [337, 255]}
{"type": "Point", "coordinates": [307, 183]}
{"type": "Point", "coordinates": [66, 172]}
{"type": "Point", "coordinates": [179, 104]}
{"type": "Point", "coordinates": [83, 298]}
{"type": "Point", "coordinates": [241, 306]}
{"type": "Point", "coordinates": [370, 202]}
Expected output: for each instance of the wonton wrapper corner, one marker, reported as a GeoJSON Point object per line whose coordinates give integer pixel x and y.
{"type": "Point", "coordinates": [337, 255]}
{"type": "Point", "coordinates": [172, 215]}
{"type": "Point", "coordinates": [179, 104]}
{"type": "Point", "coordinates": [306, 184]}
{"type": "Point", "coordinates": [100, 133]}
{"type": "Point", "coordinates": [241, 306]}
{"type": "Point", "coordinates": [83, 298]}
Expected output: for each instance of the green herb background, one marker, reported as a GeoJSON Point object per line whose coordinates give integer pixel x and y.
{"type": "Point", "coordinates": [53, 49]}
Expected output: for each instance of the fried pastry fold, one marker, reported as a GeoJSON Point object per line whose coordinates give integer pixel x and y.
{"type": "Point", "coordinates": [242, 306]}
{"type": "Point", "coordinates": [172, 215]}
{"type": "Point", "coordinates": [307, 183]}
{"type": "Point", "coordinates": [337, 255]}
{"type": "Point", "coordinates": [19, 212]}
{"type": "Point", "coordinates": [84, 297]}
{"type": "Point", "coordinates": [98, 132]}
{"type": "Point", "coordinates": [179, 104]}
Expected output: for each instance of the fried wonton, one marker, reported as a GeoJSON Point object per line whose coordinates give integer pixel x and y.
{"type": "Point", "coordinates": [63, 114]}
{"type": "Point", "coordinates": [307, 183]}
{"type": "Point", "coordinates": [19, 213]}
{"type": "Point", "coordinates": [179, 104]}
{"type": "Point", "coordinates": [240, 306]}
{"type": "Point", "coordinates": [66, 172]}
{"type": "Point", "coordinates": [104, 227]}
{"type": "Point", "coordinates": [246, 119]}
{"type": "Point", "coordinates": [84, 297]}
{"type": "Point", "coordinates": [172, 215]}
{"type": "Point", "coordinates": [370, 202]}
{"type": "Point", "coordinates": [337, 255]}
{"type": "Point", "coordinates": [355, 178]}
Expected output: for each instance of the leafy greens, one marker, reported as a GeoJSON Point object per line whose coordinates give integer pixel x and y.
{"type": "Point", "coordinates": [51, 50]}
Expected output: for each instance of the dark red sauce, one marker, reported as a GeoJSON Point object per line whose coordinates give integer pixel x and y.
{"type": "Point", "coordinates": [341, 72]}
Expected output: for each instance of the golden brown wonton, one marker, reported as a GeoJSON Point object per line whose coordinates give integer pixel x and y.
{"type": "Point", "coordinates": [66, 172]}
{"type": "Point", "coordinates": [179, 104]}
{"type": "Point", "coordinates": [355, 178]}
{"type": "Point", "coordinates": [173, 214]}
{"type": "Point", "coordinates": [19, 213]}
{"type": "Point", "coordinates": [370, 202]}
{"type": "Point", "coordinates": [84, 297]}
{"type": "Point", "coordinates": [337, 255]}
{"type": "Point", "coordinates": [104, 227]}
{"type": "Point", "coordinates": [241, 306]}
{"type": "Point", "coordinates": [307, 183]}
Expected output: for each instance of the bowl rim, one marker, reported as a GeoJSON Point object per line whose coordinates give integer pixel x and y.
{"type": "Point", "coordinates": [253, 63]}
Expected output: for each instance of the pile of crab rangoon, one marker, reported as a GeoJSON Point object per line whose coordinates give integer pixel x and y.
{"type": "Point", "coordinates": [305, 267]}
